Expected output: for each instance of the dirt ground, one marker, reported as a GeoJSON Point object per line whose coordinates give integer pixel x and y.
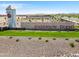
{"type": "Point", "coordinates": [16, 46]}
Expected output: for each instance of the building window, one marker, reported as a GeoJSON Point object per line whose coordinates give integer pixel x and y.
{"type": "Point", "coordinates": [4, 23]}
{"type": "Point", "coordinates": [18, 17]}
{"type": "Point", "coordinates": [5, 18]}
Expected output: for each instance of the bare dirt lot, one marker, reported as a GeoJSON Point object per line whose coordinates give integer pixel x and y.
{"type": "Point", "coordinates": [14, 46]}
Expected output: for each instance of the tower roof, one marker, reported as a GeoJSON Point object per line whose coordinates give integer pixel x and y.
{"type": "Point", "coordinates": [10, 7]}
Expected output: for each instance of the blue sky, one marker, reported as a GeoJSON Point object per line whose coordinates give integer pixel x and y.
{"type": "Point", "coordinates": [41, 7]}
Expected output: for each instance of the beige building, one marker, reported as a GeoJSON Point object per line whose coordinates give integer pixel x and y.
{"type": "Point", "coordinates": [38, 22]}
{"type": "Point", "coordinates": [48, 25]}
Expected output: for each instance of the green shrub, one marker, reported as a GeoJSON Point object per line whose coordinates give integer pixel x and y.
{"type": "Point", "coordinates": [17, 40]}
{"type": "Point", "coordinates": [10, 37]}
{"type": "Point", "coordinates": [72, 45]}
{"type": "Point", "coordinates": [66, 39]}
{"type": "Point", "coordinates": [54, 38]}
{"type": "Point", "coordinates": [77, 40]}
{"type": "Point", "coordinates": [29, 38]}
{"type": "Point", "coordinates": [46, 41]}
{"type": "Point", "coordinates": [39, 38]}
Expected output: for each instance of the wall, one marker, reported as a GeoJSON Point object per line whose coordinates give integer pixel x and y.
{"type": "Point", "coordinates": [47, 25]}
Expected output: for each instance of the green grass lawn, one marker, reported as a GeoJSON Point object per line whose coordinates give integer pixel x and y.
{"type": "Point", "coordinates": [39, 33]}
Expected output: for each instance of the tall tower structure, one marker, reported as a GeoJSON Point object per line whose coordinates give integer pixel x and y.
{"type": "Point", "coordinates": [11, 15]}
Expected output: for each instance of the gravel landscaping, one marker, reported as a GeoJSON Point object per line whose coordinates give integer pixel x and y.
{"type": "Point", "coordinates": [15, 46]}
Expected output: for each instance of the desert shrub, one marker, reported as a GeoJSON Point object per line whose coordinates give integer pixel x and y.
{"type": "Point", "coordinates": [46, 41]}
{"type": "Point", "coordinates": [54, 38]}
{"type": "Point", "coordinates": [29, 38]}
{"type": "Point", "coordinates": [39, 38]}
{"type": "Point", "coordinates": [17, 40]}
{"type": "Point", "coordinates": [10, 37]}
{"type": "Point", "coordinates": [66, 39]}
{"type": "Point", "coordinates": [77, 40]}
{"type": "Point", "coordinates": [72, 45]}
